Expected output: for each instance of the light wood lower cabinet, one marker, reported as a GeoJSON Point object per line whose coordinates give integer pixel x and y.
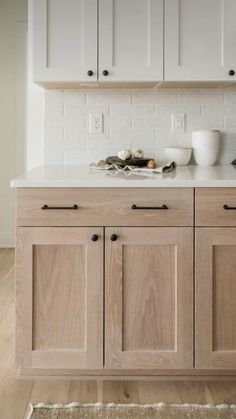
{"type": "Point", "coordinates": [59, 298]}
{"type": "Point", "coordinates": [216, 298]}
{"type": "Point", "coordinates": [122, 302]}
{"type": "Point", "coordinates": [149, 298]}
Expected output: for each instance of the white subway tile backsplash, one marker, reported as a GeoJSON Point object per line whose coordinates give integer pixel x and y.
{"type": "Point", "coordinates": [97, 149]}
{"type": "Point", "coordinates": [190, 97]}
{"type": "Point", "coordinates": [228, 140]}
{"type": "Point", "coordinates": [53, 155]}
{"type": "Point", "coordinates": [220, 110]}
{"type": "Point", "coordinates": [205, 123]}
{"type": "Point", "coordinates": [54, 135]}
{"type": "Point", "coordinates": [115, 146]}
{"type": "Point", "coordinates": [133, 118]}
{"type": "Point", "coordinates": [117, 121]}
{"type": "Point", "coordinates": [230, 122]}
{"type": "Point", "coordinates": [108, 97]}
{"type": "Point", "coordinates": [143, 134]}
{"type": "Point", "coordinates": [145, 122]}
{"type": "Point", "coordinates": [212, 97]}
{"type": "Point", "coordinates": [132, 110]}
{"type": "Point", "coordinates": [74, 98]}
{"type": "Point", "coordinates": [118, 133]}
{"type": "Point", "coordinates": [189, 109]}
{"type": "Point", "coordinates": [74, 155]}
{"type": "Point", "coordinates": [230, 97]}
{"type": "Point", "coordinates": [168, 97]}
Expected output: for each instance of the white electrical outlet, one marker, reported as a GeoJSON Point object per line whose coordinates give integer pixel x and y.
{"type": "Point", "coordinates": [96, 123]}
{"type": "Point", "coordinates": [178, 123]}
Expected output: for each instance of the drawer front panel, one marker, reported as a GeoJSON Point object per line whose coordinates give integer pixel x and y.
{"type": "Point", "coordinates": [215, 206]}
{"type": "Point", "coordinates": [105, 206]}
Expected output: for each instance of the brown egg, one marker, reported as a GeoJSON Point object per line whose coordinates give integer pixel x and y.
{"type": "Point", "coordinates": [151, 164]}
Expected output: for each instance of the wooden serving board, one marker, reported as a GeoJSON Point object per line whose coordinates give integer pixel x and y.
{"type": "Point", "coordinates": [142, 162]}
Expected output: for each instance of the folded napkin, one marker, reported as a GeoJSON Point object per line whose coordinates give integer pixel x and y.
{"type": "Point", "coordinates": [102, 165]}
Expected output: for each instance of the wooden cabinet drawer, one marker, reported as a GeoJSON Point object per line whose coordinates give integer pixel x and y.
{"type": "Point", "coordinates": [210, 206]}
{"type": "Point", "coordinates": [105, 206]}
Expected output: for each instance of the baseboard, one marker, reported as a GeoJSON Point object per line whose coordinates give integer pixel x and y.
{"type": "Point", "coordinates": [7, 239]}
{"type": "Point", "coordinates": [129, 375]}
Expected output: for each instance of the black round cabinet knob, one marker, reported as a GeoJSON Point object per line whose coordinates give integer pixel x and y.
{"type": "Point", "coordinates": [105, 73]}
{"type": "Point", "coordinates": [90, 73]}
{"type": "Point", "coordinates": [231, 72]}
{"type": "Point", "coordinates": [113, 237]}
{"type": "Point", "coordinates": [94, 237]}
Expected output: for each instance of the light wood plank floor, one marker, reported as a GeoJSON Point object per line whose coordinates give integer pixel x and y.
{"type": "Point", "coordinates": [15, 395]}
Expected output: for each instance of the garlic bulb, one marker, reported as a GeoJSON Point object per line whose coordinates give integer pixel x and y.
{"type": "Point", "coordinates": [138, 153]}
{"type": "Point", "coordinates": [124, 154]}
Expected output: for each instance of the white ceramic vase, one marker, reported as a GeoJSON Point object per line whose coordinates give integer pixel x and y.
{"type": "Point", "coordinates": [205, 145]}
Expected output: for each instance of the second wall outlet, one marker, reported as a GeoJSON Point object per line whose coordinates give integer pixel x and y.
{"type": "Point", "coordinates": [178, 123]}
{"type": "Point", "coordinates": [96, 123]}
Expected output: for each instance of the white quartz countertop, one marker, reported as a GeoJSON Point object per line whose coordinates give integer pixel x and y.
{"type": "Point", "coordinates": [82, 177]}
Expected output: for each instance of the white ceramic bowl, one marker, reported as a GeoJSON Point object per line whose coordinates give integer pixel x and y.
{"type": "Point", "coordinates": [180, 155]}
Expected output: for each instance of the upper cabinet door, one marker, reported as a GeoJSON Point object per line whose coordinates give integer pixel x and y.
{"type": "Point", "coordinates": [200, 40]}
{"type": "Point", "coordinates": [65, 40]}
{"type": "Point", "coordinates": [130, 40]}
{"type": "Point", "coordinates": [149, 298]}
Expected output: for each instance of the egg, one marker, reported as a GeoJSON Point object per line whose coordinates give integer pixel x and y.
{"type": "Point", "coordinates": [151, 164]}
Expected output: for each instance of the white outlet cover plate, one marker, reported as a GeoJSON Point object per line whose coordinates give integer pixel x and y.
{"type": "Point", "coordinates": [178, 123]}
{"type": "Point", "coordinates": [96, 123]}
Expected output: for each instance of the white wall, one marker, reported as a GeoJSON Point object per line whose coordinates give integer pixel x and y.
{"type": "Point", "coordinates": [11, 12]}
{"type": "Point", "coordinates": [133, 119]}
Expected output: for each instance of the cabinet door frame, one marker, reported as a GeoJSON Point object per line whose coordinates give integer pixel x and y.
{"type": "Point", "coordinates": [92, 356]}
{"type": "Point", "coordinates": [182, 356]}
{"type": "Point", "coordinates": [205, 355]}
{"type": "Point", "coordinates": [42, 71]}
{"type": "Point", "coordinates": [152, 70]}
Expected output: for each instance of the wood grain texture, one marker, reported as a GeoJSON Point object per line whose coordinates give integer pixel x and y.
{"type": "Point", "coordinates": [104, 206]}
{"type": "Point", "coordinates": [151, 354]}
{"type": "Point", "coordinates": [215, 298]}
{"type": "Point", "coordinates": [224, 297]}
{"type": "Point", "coordinates": [62, 326]}
{"type": "Point", "coordinates": [59, 297]}
{"type": "Point", "coordinates": [149, 276]}
{"type": "Point", "coordinates": [209, 209]}
{"type": "Point", "coordinates": [106, 85]}
{"type": "Point", "coordinates": [16, 394]}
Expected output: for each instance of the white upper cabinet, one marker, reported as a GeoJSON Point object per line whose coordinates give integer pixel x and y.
{"type": "Point", "coordinates": [133, 40]}
{"type": "Point", "coordinates": [65, 40]}
{"type": "Point", "coordinates": [65, 34]}
{"type": "Point", "coordinates": [130, 40]}
{"type": "Point", "coordinates": [200, 40]}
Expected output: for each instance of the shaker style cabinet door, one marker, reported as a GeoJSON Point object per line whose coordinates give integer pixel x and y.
{"type": "Point", "coordinates": [64, 40]}
{"type": "Point", "coordinates": [200, 40]}
{"type": "Point", "coordinates": [149, 298]}
{"type": "Point", "coordinates": [59, 301]}
{"type": "Point", "coordinates": [216, 298]}
{"type": "Point", "coordinates": [130, 40]}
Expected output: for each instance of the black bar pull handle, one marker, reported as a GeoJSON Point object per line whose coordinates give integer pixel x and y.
{"type": "Point", "coordinates": [226, 207]}
{"type": "Point", "coordinates": [46, 207]}
{"type": "Point", "coordinates": [136, 207]}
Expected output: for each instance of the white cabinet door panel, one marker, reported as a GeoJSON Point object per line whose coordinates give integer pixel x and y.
{"type": "Point", "coordinates": [200, 39]}
{"type": "Point", "coordinates": [65, 40]}
{"type": "Point", "coordinates": [131, 40]}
